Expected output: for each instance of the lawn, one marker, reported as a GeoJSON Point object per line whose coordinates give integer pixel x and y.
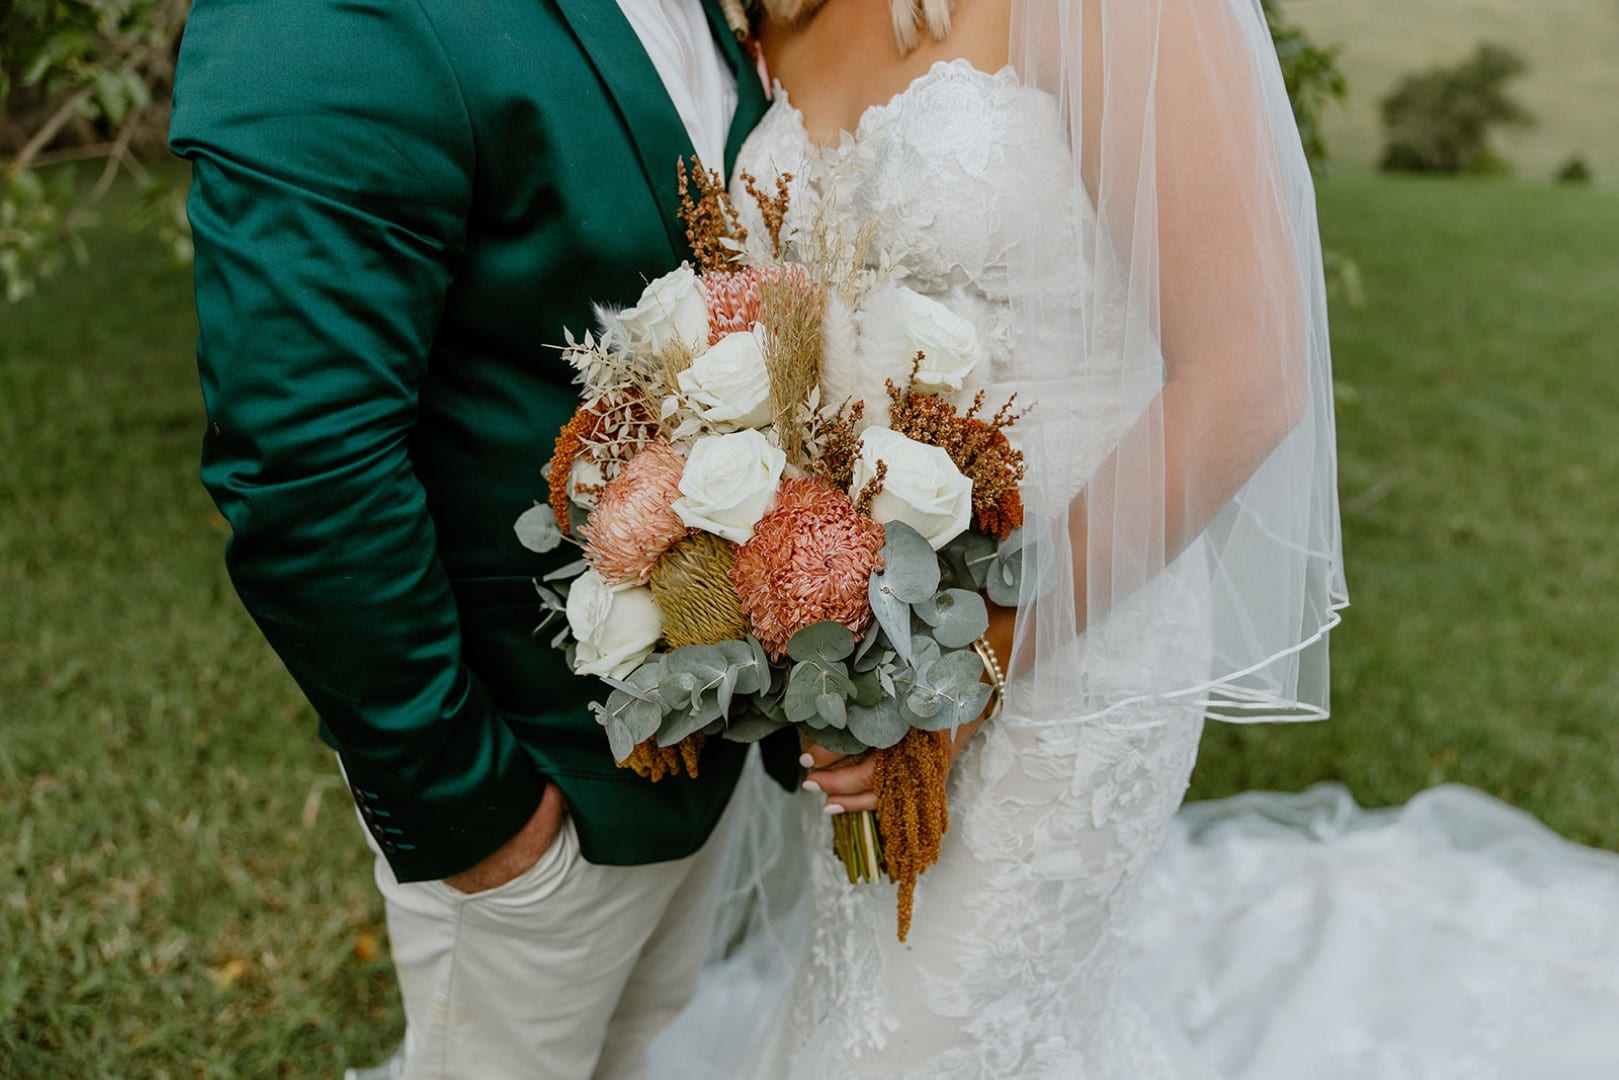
{"type": "Point", "coordinates": [1572, 85]}
{"type": "Point", "coordinates": [183, 891]}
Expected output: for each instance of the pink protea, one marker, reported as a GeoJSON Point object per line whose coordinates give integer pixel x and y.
{"type": "Point", "coordinates": [633, 524]}
{"type": "Point", "coordinates": [810, 559]}
{"type": "Point", "coordinates": [733, 296]}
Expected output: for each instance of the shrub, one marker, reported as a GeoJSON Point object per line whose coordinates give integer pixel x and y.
{"type": "Point", "coordinates": [1576, 170]}
{"type": "Point", "coordinates": [1441, 120]}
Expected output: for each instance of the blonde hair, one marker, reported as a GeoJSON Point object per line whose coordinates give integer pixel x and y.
{"type": "Point", "coordinates": [909, 16]}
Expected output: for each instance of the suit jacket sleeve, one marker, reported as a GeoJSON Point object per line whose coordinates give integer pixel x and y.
{"type": "Point", "coordinates": [332, 160]}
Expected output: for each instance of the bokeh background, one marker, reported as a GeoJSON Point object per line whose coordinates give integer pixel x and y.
{"type": "Point", "coordinates": [183, 890]}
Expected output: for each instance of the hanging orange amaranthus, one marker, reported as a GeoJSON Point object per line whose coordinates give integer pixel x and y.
{"type": "Point", "coordinates": [654, 762]}
{"type": "Point", "coordinates": [912, 812]}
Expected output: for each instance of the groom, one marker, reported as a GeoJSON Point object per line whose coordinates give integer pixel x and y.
{"type": "Point", "coordinates": [397, 206]}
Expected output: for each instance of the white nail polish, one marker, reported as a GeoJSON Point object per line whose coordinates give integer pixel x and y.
{"type": "Point", "coordinates": [807, 761]}
{"type": "Point", "coordinates": [810, 785]}
{"type": "Point", "coordinates": [832, 808]}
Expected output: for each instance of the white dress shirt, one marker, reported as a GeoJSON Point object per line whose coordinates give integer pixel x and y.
{"type": "Point", "coordinates": [676, 35]}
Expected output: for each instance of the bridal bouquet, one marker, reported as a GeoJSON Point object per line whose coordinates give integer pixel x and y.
{"type": "Point", "coordinates": [756, 556]}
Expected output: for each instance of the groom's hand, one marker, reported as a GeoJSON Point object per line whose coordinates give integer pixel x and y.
{"type": "Point", "coordinates": [520, 852]}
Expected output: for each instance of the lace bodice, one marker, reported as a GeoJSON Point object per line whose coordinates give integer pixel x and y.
{"type": "Point", "coordinates": [954, 170]}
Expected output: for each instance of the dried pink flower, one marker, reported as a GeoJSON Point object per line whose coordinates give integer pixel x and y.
{"type": "Point", "coordinates": [810, 559]}
{"type": "Point", "coordinates": [733, 296]}
{"type": "Point", "coordinates": [633, 524]}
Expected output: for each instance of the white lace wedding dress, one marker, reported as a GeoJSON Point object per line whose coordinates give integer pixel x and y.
{"type": "Point", "coordinates": [1013, 960]}
{"type": "Point", "coordinates": [1076, 927]}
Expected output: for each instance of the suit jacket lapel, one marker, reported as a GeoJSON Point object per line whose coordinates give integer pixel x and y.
{"type": "Point", "coordinates": [649, 116]}
{"type": "Point", "coordinates": [751, 102]}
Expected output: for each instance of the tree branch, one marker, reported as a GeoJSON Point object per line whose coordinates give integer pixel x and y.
{"type": "Point", "coordinates": [42, 138]}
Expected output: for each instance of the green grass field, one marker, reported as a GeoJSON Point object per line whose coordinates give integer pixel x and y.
{"type": "Point", "coordinates": [184, 893]}
{"type": "Point", "coordinates": [1572, 85]}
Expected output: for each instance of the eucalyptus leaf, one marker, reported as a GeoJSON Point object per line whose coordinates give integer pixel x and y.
{"type": "Point", "coordinates": [752, 727]}
{"type": "Point", "coordinates": [867, 643]}
{"type": "Point", "coordinates": [876, 658]}
{"type": "Point", "coordinates": [879, 726]}
{"type": "Point", "coordinates": [550, 599]}
{"type": "Point", "coordinates": [630, 719]}
{"type": "Point", "coordinates": [678, 725]}
{"type": "Point", "coordinates": [803, 690]}
{"type": "Point", "coordinates": [720, 670]}
{"type": "Point", "coordinates": [893, 615]}
{"type": "Point", "coordinates": [957, 680]}
{"type": "Point", "coordinates": [679, 690]}
{"type": "Point", "coordinates": [958, 617]}
{"type": "Point", "coordinates": [832, 710]}
{"type": "Point", "coordinates": [751, 664]}
{"type": "Point", "coordinates": [967, 559]}
{"type": "Point", "coordinates": [537, 529]}
{"type": "Point", "coordinates": [619, 739]}
{"type": "Point", "coordinates": [838, 740]}
{"type": "Point", "coordinates": [808, 682]}
{"type": "Point", "coordinates": [643, 681]}
{"type": "Point", "coordinates": [910, 565]}
{"type": "Point", "coordinates": [1005, 581]}
{"type": "Point", "coordinates": [568, 572]}
{"type": "Point", "coordinates": [868, 689]}
{"type": "Point", "coordinates": [826, 640]}
{"type": "Point", "coordinates": [922, 703]}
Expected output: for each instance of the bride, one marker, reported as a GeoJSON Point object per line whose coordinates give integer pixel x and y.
{"type": "Point", "coordinates": [1114, 192]}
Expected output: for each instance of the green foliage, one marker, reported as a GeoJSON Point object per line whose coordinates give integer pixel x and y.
{"type": "Point", "coordinates": [80, 80]}
{"type": "Point", "coordinates": [1441, 120]}
{"type": "Point", "coordinates": [1313, 77]}
{"type": "Point", "coordinates": [1576, 170]}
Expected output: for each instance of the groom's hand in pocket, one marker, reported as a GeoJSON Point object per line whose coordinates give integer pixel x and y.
{"type": "Point", "coordinates": [521, 852]}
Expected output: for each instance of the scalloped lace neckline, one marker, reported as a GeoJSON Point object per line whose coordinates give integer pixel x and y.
{"type": "Point", "coordinates": [939, 69]}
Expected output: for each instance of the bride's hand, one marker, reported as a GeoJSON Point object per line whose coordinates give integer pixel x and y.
{"type": "Point", "coordinates": [846, 780]}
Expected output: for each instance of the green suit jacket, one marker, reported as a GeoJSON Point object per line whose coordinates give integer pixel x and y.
{"type": "Point", "coordinates": [398, 205]}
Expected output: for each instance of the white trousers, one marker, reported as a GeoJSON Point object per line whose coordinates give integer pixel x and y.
{"type": "Point", "coordinates": [566, 972]}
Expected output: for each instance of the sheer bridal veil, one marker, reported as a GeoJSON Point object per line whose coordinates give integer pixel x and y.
{"type": "Point", "coordinates": [1171, 336]}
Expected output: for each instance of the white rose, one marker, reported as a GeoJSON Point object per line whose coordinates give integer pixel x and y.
{"type": "Point", "coordinates": [615, 627]}
{"type": "Point", "coordinates": [729, 483]}
{"type": "Point", "coordinates": [585, 481]}
{"type": "Point", "coordinates": [671, 311]}
{"type": "Point", "coordinates": [923, 488]}
{"type": "Point", "coordinates": [903, 322]}
{"type": "Point", "coordinates": [729, 383]}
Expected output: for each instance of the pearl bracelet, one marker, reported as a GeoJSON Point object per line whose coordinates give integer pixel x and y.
{"type": "Point", "coordinates": [997, 677]}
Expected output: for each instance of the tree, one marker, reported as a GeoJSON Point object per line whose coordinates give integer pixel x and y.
{"type": "Point", "coordinates": [1441, 120]}
{"type": "Point", "coordinates": [80, 81]}
{"type": "Point", "coordinates": [1313, 80]}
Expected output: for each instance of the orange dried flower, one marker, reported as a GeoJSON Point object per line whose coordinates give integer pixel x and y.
{"type": "Point", "coordinates": [979, 448]}
{"type": "Point", "coordinates": [913, 813]}
{"type": "Point", "coordinates": [654, 762]}
{"type": "Point", "coordinates": [709, 216]}
{"type": "Point", "coordinates": [810, 559]}
{"type": "Point", "coordinates": [633, 522]}
{"type": "Point", "coordinates": [611, 429]}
